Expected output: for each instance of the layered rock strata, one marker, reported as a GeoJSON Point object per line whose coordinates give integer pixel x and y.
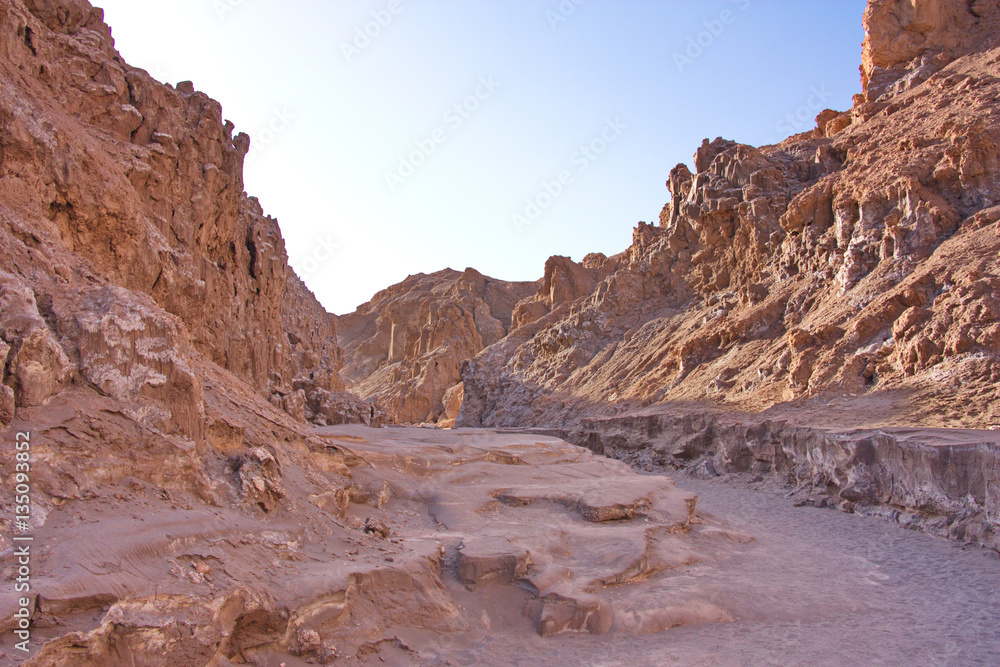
{"type": "Point", "coordinates": [943, 481]}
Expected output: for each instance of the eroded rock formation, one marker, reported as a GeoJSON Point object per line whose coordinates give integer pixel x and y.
{"type": "Point", "coordinates": [405, 348]}
{"type": "Point", "coordinates": [856, 259]}
{"type": "Point", "coordinates": [943, 481]}
{"type": "Point", "coordinates": [124, 195]}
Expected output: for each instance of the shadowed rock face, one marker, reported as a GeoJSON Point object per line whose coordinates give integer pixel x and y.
{"type": "Point", "coordinates": [405, 348]}
{"type": "Point", "coordinates": [859, 259]}
{"type": "Point", "coordinates": [944, 481]}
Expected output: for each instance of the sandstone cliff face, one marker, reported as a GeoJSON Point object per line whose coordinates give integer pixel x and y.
{"type": "Point", "coordinates": [110, 180]}
{"type": "Point", "coordinates": [860, 259]}
{"type": "Point", "coordinates": [405, 348]}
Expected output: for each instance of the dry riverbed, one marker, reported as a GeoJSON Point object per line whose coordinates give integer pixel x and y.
{"type": "Point", "coordinates": [473, 547]}
{"type": "Point", "coordinates": [817, 587]}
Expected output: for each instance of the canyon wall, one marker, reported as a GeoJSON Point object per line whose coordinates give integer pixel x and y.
{"type": "Point", "coordinates": [150, 326]}
{"type": "Point", "coordinates": [857, 260]}
{"type": "Point", "coordinates": [112, 183]}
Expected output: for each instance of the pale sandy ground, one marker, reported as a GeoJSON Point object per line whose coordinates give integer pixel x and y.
{"type": "Point", "coordinates": [819, 587]}
{"type": "Point", "coordinates": [814, 587]}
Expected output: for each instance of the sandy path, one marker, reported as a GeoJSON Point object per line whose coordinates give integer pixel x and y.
{"type": "Point", "coordinates": [818, 587]}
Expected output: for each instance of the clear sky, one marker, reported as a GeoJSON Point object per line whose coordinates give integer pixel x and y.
{"type": "Point", "coordinates": [393, 137]}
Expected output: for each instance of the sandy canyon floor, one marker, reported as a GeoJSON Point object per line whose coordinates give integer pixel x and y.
{"type": "Point", "coordinates": [473, 547]}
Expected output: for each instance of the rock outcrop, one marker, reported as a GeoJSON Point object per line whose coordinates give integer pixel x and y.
{"type": "Point", "coordinates": [405, 348]}
{"type": "Point", "coordinates": [908, 40]}
{"type": "Point", "coordinates": [943, 481]}
{"type": "Point", "coordinates": [859, 259]}
{"type": "Point", "coordinates": [111, 180]}
{"type": "Point", "coordinates": [564, 282]}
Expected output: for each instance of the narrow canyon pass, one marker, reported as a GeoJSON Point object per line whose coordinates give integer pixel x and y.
{"type": "Point", "coordinates": [792, 301]}
{"type": "Point", "coordinates": [202, 466]}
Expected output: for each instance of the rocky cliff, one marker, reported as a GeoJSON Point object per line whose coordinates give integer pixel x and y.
{"type": "Point", "coordinates": [123, 206]}
{"type": "Point", "coordinates": [856, 260]}
{"type": "Point", "coordinates": [150, 326]}
{"type": "Point", "coordinates": [405, 348]}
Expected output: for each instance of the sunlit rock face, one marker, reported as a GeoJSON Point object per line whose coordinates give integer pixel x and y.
{"type": "Point", "coordinates": [405, 348]}
{"type": "Point", "coordinates": [855, 260]}
{"type": "Point", "coordinates": [113, 181]}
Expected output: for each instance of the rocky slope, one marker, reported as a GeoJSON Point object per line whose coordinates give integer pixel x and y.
{"type": "Point", "coordinates": [796, 302]}
{"type": "Point", "coordinates": [859, 259]}
{"type": "Point", "coordinates": [123, 198]}
{"type": "Point", "coordinates": [405, 348]}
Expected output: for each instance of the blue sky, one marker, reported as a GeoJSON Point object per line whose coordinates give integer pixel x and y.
{"type": "Point", "coordinates": [395, 137]}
